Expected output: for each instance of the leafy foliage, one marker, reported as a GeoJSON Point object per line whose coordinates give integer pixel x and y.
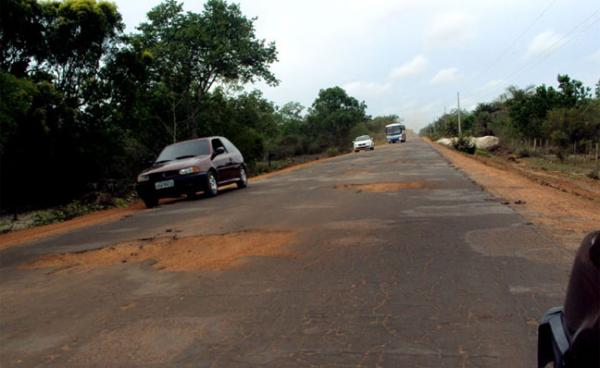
{"type": "Point", "coordinates": [84, 105]}
{"type": "Point", "coordinates": [464, 144]}
{"type": "Point", "coordinates": [566, 117]}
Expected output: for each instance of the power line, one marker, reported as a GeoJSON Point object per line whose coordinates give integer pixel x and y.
{"type": "Point", "coordinates": [569, 37]}
{"type": "Point", "coordinates": [519, 37]}
{"type": "Point", "coordinates": [512, 44]}
{"type": "Point", "coordinates": [559, 43]}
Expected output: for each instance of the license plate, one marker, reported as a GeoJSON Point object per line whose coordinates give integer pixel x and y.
{"type": "Point", "coordinates": [164, 184]}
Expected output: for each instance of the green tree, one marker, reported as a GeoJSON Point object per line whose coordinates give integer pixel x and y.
{"type": "Point", "coordinates": [17, 98]}
{"type": "Point", "coordinates": [21, 35]}
{"type": "Point", "coordinates": [483, 119]}
{"type": "Point", "coordinates": [195, 51]}
{"type": "Point", "coordinates": [572, 92]}
{"type": "Point", "coordinates": [77, 35]}
{"type": "Point", "coordinates": [333, 114]}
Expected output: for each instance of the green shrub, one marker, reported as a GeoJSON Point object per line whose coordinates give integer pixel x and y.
{"type": "Point", "coordinates": [63, 213]}
{"type": "Point", "coordinates": [464, 144]}
{"type": "Point", "coordinates": [523, 152]}
{"type": "Point", "coordinates": [483, 153]}
{"type": "Point", "coordinates": [332, 151]}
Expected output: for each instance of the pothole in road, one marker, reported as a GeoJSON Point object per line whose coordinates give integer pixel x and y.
{"type": "Point", "coordinates": [386, 187]}
{"type": "Point", "coordinates": [194, 253]}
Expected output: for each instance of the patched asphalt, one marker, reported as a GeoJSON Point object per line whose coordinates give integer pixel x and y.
{"type": "Point", "coordinates": [440, 274]}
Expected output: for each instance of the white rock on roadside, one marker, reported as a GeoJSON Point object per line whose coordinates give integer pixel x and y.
{"type": "Point", "coordinates": [446, 141]}
{"type": "Point", "coordinates": [487, 143]}
{"type": "Point", "coordinates": [484, 143]}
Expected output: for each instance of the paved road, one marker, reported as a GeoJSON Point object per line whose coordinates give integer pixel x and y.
{"type": "Point", "coordinates": [421, 269]}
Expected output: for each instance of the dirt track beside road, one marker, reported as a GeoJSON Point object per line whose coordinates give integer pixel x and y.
{"type": "Point", "coordinates": [553, 205]}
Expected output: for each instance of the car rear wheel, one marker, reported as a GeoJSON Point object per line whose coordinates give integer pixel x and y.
{"type": "Point", "coordinates": [212, 188]}
{"type": "Point", "coordinates": [150, 201]}
{"type": "Point", "coordinates": [243, 182]}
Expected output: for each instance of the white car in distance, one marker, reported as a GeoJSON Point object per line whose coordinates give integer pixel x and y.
{"type": "Point", "coordinates": [364, 142]}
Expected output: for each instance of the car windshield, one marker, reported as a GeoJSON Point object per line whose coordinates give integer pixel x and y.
{"type": "Point", "coordinates": [363, 138]}
{"type": "Point", "coordinates": [184, 150]}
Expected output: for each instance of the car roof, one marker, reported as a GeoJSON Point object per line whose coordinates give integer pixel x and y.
{"type": "Point", "coordinates": [198, 139]}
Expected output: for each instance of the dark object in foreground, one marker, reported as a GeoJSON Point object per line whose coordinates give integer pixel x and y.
{"type": "Point", "coordinates": [191, 166]}
{"type": "Point", "coordinates": [569, 336]}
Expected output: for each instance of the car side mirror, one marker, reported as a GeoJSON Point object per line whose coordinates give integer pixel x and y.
{"type": "Point", "coordinates": [149, 163]}
{"type": "Point", "coordinates": [219, 151]}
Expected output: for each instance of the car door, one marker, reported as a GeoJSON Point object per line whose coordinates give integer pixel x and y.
{"type": "Point", "coordinates": [235, 158]}
{"type": "Point", "coordinates": [221, 162]}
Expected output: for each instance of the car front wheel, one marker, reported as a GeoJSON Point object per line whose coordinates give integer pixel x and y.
{"type": "Point", "coordinates": [243, 182]}
{"type": "Point", "coordinates": [150, 201]}
{"type": "Point", "coordinates": [212, 188]}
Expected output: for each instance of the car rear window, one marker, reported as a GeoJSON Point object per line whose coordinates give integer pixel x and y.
{"type": "Point", "coordinates": [184, 149]}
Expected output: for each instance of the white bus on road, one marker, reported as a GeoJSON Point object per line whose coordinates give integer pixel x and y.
{"type": "Point", "coordinates": [395, 132]}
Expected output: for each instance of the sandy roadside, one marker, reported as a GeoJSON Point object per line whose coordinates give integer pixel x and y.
{"type": "Point", "coordinates": [565, 216]}
{"type": "Point", "coordinates": [35, 233]}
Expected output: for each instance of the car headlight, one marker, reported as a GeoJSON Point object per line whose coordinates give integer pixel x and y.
{"type": "Point", "coordinates": [189, 170]}
{"type": "Point", "coordinates": [143, 178]}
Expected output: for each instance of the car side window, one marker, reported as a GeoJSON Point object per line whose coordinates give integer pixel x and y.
{"type": "Point", "coordinates": [216, 143]}
{"type": "Point", "coordinates": [229, 146]}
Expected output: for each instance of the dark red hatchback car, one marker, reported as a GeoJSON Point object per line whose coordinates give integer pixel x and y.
{"type": "Point", "coordinates": [191, 166]}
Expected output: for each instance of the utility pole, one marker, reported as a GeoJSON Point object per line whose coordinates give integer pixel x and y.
{"type": "Point", "coordinates": [458, 103]}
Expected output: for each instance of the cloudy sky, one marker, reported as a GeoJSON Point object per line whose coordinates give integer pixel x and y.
{"type": "Point", "coordinates": [410, 57]}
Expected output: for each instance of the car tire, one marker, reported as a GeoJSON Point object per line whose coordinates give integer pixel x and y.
{"type": "Point", "coordinates": [150, 202]}
{"type": "Point", "coordinates": [372, 148]}
{"type": "Point", "coordinates": [212, 188]}
{"type": "Point", "coordinates": [243, 182]}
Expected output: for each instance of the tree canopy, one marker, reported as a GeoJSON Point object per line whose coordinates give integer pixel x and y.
{"type": "Point", "coordinates": [84, 105]}
{"type": "Point", "coordinates": [565, 117]}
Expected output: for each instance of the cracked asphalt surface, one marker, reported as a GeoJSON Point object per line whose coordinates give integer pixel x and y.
{"type": "Point", "coordinates": [440, 275]}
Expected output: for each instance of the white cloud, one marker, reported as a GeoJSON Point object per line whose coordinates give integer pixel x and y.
{"type": "Point", "coordinates": [445, 76]}
{"type": "Point", "coordinates": [450, 29]}
{"type": "Point", "coordinates": [367, 88]}
{"type": "Point", "coordinates": [544, 43]}
{"type": "Point", "coordinates": [414, 67]}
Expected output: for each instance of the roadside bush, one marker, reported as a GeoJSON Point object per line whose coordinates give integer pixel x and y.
{"type": "Point", "coordinates": [594, 174]}
{"type": "Point", "coordinates": [61, 213]}
{"type": "Point", "coordinates": [483, 153]}
{"type": "Point", "coordinates": [464, 144]}
{"type": "Point", "coordinates": [332, 151]}
{"type": "Point", "coordinates": [523, 152]}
